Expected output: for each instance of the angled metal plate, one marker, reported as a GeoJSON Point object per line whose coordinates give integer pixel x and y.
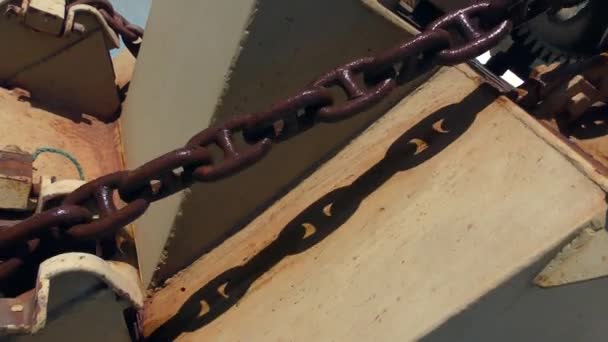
{"type": "Point", "coordinates": [585, 258]}
{"type": "Point", "coordinates": [72, 71]}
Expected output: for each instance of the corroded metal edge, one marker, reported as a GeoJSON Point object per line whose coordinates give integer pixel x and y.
{"type": "Point", "coordinates": [582, 259]}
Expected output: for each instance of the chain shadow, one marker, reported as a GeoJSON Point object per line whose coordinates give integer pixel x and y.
{"type": "Point", "coordinates": [419, 144]}
{"type": "Point", "coordinates": [518, 310]}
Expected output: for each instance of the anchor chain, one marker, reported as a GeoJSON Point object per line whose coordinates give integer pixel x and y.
{"type": "Point", "coordinates": [91, 213]}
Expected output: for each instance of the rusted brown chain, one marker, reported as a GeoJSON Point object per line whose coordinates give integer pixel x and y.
{"type": "Point", "coordinates": [39, 225]}
{"type": "Point", "coordinates": [14, 258]}
{"type": "Point", "coordinates": [244, 140]}
{"type": "Point", "coordinates": [131, 34]}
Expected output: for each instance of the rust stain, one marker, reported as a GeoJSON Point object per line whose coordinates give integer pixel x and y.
{"type": "Point", "coordinates": [92, 142]}
{"type": "Point", "coordinates": [601, 166]}
{"type": "Point", "coordinates": [16, 165]}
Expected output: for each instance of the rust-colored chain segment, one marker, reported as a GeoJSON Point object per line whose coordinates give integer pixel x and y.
{"type": "Point", "coordinates": [100, 192]}
{"type": "Point", "coordinates": [40, 225]}
{"type": "Point", "coordinates": [14, 258]}
{"type": "Point", "coordinates": [234, 158]}
{"type": "Point", "coordinates": [476, 38]}
{"type": "Point", "coordinates": [244, 140]}
{"type": "Point", "coordinates": [131, 34]}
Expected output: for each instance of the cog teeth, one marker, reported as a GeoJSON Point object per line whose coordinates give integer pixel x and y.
{"type": "Point", "coordinates": [526, 36]}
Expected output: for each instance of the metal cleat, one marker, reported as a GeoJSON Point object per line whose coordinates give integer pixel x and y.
{"type": "Point", "coordinates": [28, 313]}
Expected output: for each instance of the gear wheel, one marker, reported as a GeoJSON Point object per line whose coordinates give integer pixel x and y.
{"type": "Point", "coordinates": [567, 34]}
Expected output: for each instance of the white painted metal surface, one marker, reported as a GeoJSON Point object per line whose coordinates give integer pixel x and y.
{"type": "Point", "coordinates": [583, 259]}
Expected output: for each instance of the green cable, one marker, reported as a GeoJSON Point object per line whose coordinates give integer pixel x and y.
{"type": "Point", "coordinates": [60, 152]}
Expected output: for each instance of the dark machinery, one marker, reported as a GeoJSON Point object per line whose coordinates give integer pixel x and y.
{"type": "Point", "coordinates": [570, 32]}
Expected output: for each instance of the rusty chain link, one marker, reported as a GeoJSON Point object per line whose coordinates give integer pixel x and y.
{"type": "Point", "coordinates": [91, 213]}
{"type": "Point", "coordinates": [131, 34]}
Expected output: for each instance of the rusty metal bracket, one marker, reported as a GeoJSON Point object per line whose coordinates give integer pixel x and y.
{"type": "Point", "coordinates": [561, 88]}
{"type": "Point", "coordinates": [570, 100]}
